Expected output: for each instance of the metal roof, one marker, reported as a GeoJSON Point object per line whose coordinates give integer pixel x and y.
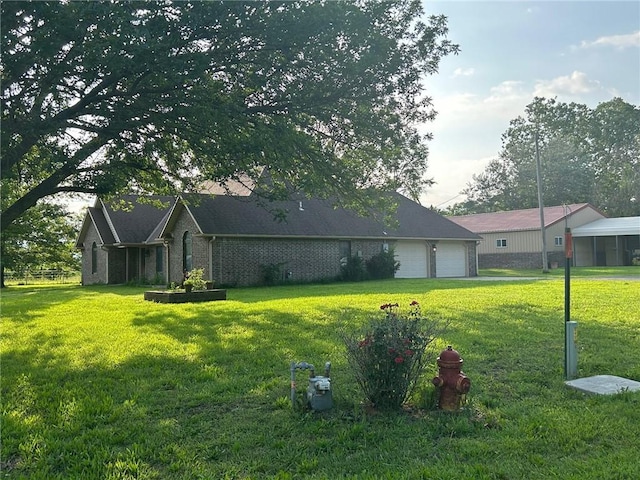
{"type": "Point", "coordinates": [517, 220]}
{"type": "Point", "coordinates": [609, 227]}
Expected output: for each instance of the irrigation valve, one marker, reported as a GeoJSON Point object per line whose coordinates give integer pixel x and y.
{"type": "Point", "coordinates": [451, 380]}
{"type": "Point", "coordinates": [319, 396]}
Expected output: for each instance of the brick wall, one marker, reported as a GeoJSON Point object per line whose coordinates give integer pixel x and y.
{"type": "Point", "coordinates": [200, 249]}
{"type": "Point", "coordinates": [238, 261]}
{"type": "Point", "coordinates": [471, 259]}
{"type": "Point", "coordinates": [88, 277]}
{"type": "Point", "coordinates": [519, 260]}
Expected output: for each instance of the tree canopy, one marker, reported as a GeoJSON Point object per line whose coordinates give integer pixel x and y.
{"type": "Point", "coordinates": [587, 155]}
{"type": "Point", "coordinates": [155, 97]}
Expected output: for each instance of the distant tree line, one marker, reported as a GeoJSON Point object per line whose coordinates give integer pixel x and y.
{"type": "Point", "coordinates": [587, 155]}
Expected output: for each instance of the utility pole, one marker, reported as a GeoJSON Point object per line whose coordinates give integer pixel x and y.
{"type": "Point", "coordinates": [545, 263]}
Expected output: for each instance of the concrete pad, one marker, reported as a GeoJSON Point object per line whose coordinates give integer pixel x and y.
{"type": "Point", "coordinates": [604, 385]}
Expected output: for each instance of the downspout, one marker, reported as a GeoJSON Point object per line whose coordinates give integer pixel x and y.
{"type": "Point", "coordinates": [476, 255]}
{"type": "Point", "coordinates": [168, 263]}
{"type": "Point", "coordinates": [220, 257]}
{"type": "Point", "coordinates": [211, 258]}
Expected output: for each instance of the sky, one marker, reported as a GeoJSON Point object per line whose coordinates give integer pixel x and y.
{"type": "Point", "coordinates": [586, 52]}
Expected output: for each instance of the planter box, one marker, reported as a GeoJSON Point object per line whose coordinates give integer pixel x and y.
{"type": "Point", "coordinates": [180, 296]}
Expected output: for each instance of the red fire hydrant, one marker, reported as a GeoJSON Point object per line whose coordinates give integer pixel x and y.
{"type": "Point", "coordinates": [451, 380]}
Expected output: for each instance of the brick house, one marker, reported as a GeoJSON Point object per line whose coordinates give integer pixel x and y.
{"type": "Point", "coordinates": [233, 238]}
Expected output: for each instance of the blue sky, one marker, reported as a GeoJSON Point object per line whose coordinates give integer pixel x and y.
{"type": "Point", "coordinates": [511, 51]}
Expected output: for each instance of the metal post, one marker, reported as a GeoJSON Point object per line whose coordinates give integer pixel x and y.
{"type": "Point", "coordinates": [570, 327]}
{"type": "Point", "coordinates": [571, 356]}
{"type": "Point", "coordinates": [545, 262]}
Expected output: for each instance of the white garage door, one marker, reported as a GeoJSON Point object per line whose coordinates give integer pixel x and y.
{"type": "Point", "coordinates": [412, 256]}
{"type": "Point", "coordinates": [451, 260]}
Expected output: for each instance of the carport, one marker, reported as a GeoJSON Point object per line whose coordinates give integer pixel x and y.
{"type": "Point", "coordinates": [607, 242]}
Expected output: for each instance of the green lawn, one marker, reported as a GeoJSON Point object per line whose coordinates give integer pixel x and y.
{"type": "Point", "coordinates": [99, 384]}
{"type": "Point", "coordinates": [559, 272]}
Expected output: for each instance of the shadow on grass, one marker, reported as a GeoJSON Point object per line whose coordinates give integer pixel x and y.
{"type": "Point", "coordinates": [378, 287]}
{"type": "Point", "coordinates": [217, 405]}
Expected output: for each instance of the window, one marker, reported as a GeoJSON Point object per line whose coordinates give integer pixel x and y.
{"type": "Point", "coordinates": [187, 252]}
{"type": "Point", "coordinates": [345, 251]}
{"type": "Point", "coordinates": [94, 258]}
{"type": "Point", "coordinates": [558, 241]}
{"type": "Point", "coordinates": [501, 243]}
{"type": "Point", "coordinates": [159, 259]}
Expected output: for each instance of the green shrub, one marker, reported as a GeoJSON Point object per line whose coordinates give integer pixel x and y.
{"type": "Point", "coordinates": [272, 273]}
{"type": "Point", "coordinates": [354, 270]}
{"type": "Point", "coordinates": [196, 278]}
{"type": "Point", "coordinates": [382, 265]}
{"type": "Point", "coordinates": [389, 356]}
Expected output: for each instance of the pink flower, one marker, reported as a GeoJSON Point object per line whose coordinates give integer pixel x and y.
{"type": "Point", "coordinates": [398, 360]}
{"type": "Point", "coordinates": [408, 352]}
{"type": "Point", "coordinates": [392, 350]}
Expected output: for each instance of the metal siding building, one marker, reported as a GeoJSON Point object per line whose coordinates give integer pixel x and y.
{"type": "Point", "coordinates": [513, 239]}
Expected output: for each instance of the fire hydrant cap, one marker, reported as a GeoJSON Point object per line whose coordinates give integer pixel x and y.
{"type": "Point", "coordinates": [449, 358]}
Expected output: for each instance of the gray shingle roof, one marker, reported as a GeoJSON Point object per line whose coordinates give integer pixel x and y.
{"type": "Point", "coordinates": [134, 221]}
{"type": "Point", "coordinates": [101, 225]}
{"type": "Point", "coordinates": [223, 215]}
{"type": "Point", "coordinates": [234, 216]}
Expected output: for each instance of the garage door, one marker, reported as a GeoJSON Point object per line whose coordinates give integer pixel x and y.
{"type": "Point", "coordinates": [413, 259]}
{"type": "Point", "coordinates": [451, 260]}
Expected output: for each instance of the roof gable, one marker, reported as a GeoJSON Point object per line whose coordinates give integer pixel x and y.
{"type": "Point", "coordinates": [133, 220]}
{"type": "Point", "coordinates": [95, 217]}
{"type": "Point", "coordinates": [517, 220]}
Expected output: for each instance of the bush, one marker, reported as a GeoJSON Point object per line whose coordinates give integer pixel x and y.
{"type": "Point", "coordinates": [195, 278]}
{"type": "Point", "coordinates": [382, 265]}
{"type": "Point", "coordinates": [354, 270]}
{"type": "Point", "coordinates": [271, 273]}
{"type": "Point", "coordinates": [389, 356]}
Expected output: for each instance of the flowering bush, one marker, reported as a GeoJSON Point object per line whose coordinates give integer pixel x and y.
{"type": "Point", "coordinates": [195, 279]}
{"type": "Point", "coordinates": [389, 356]}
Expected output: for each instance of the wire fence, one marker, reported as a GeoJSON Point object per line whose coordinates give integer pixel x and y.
{"type": "Point", "coordinates": [35, 277]}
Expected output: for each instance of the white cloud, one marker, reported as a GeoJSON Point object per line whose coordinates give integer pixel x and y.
{"type": "Point", "coordinates": [575, 84]}
{"type": "Point", "coordinates": [463, 72]}
{"type": "Point", "coordinates": [505, 92]}
{"type": "Point", "coordinates": [617, 41]}
{"type": "Point", "coordinates": [451, 178]}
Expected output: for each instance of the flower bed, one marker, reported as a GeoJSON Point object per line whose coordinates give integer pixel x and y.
{"type": "Point", "coordinates": [180, 296]}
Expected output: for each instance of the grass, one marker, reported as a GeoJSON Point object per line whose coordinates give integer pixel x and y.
{"type": "Point", "coordinates": [559, 272]}
{"type": "Point", "coordinates": [99, 384]}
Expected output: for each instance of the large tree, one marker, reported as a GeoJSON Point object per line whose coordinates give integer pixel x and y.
{"type": "Point", "coordinates": [105, 97]}
{"type": "Point", "coordinates": [586, 155]}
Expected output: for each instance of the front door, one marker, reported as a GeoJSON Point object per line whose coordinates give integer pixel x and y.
{"type": "Point", "coordinates": [133, 264]}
